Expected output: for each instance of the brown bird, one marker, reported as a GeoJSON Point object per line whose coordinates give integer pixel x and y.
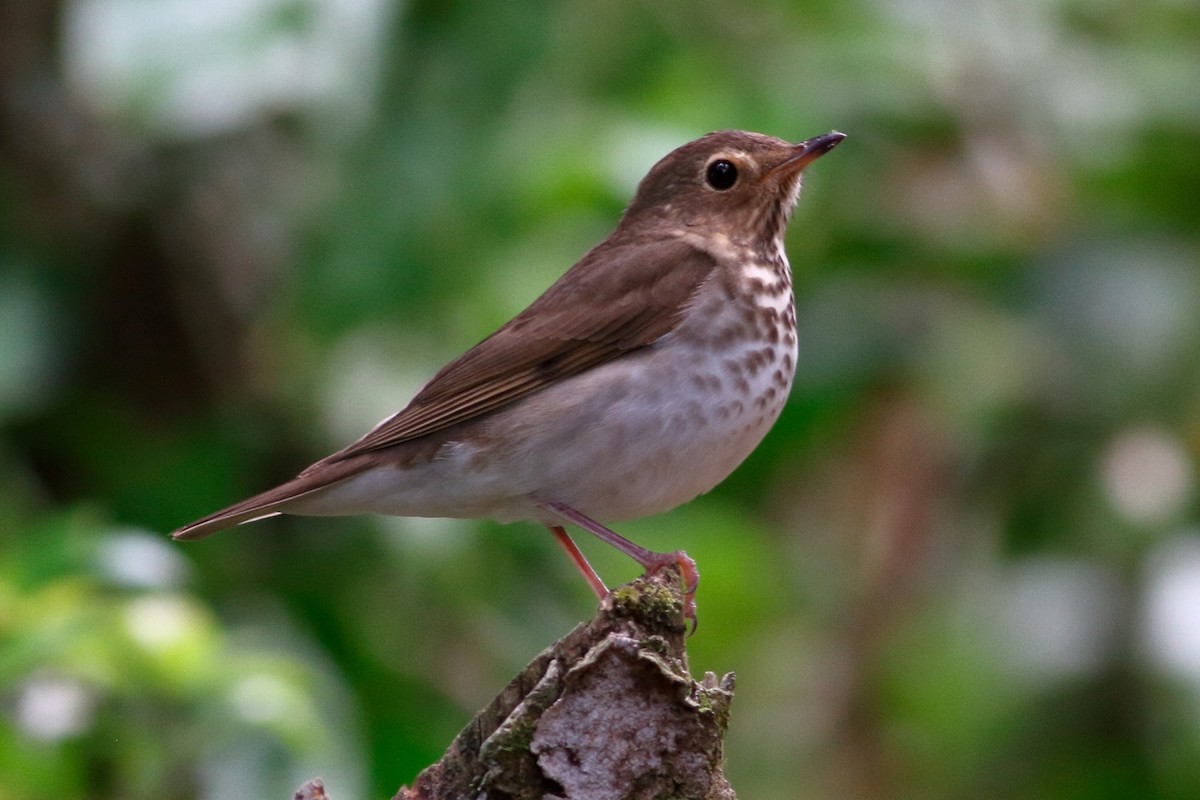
{"type": "Point", "coordinates": [636, 382]}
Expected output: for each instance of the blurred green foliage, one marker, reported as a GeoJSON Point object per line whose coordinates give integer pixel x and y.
{"type": "Point", "coordinates": [233, 236]}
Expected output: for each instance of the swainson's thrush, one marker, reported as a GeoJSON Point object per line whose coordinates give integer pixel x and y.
{"type": "Point", "coordinates": [636, 382]}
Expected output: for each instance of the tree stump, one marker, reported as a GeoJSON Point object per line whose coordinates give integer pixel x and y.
{"type": "Point", "coordinates": [608, 712]}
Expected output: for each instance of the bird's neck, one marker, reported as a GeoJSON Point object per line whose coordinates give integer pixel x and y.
{"type": "Point", "coordinates": [762, 253]}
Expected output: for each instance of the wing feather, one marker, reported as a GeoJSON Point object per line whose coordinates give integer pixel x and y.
{"type": "Point", "coordinates": [620, 297]}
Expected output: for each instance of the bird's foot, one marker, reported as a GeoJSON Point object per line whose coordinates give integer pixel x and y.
{"type": "Point", "coordinates": [687, 570]}
{"type": "Point", "coordinates": [650, 561]}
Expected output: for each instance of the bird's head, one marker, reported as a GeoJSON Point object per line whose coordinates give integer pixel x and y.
{"type": "Point", "coordinates": [740, 184]}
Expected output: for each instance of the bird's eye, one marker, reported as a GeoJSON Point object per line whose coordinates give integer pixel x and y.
{"type": "Point", "coordinates": [721, 174]}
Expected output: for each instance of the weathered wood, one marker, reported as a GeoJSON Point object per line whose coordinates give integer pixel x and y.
{"type": "Point", "coordinates": [608, 712]}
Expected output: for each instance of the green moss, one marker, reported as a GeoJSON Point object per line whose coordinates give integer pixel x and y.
{"type": "Point", "coordinates": [651, 603]}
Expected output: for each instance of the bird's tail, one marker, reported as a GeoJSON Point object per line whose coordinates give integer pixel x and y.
{"type": "Point", "coordinates": [271, 502]}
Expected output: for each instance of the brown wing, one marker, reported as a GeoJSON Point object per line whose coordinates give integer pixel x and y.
{"type": "Point", "coordinates": [618, 298]}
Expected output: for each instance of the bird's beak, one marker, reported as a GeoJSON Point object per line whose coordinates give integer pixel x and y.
{"type": "Point", "coordinates": [807, 152]}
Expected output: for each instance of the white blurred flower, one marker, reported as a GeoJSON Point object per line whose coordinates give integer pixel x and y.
{"type": "Point", "coordinates": [1171, 631]}
{"type": "Point", "coordinates": [159, 622]}
{"type": "Point", "coordinates": [51, 709]}
{"type": "Point", "coordinates": [190, 68]}
{"type": "Point", "coordinates": [263, 698]}
{"type": "Point", "coordinates": [1057, 617]}
{"type": "Point", "coordinates": [1148, 476]}
{"type": "Point", "coordinates": [141, 560]}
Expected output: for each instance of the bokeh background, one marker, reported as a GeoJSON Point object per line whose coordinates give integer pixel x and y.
{"type": "Point", "coordinates": [235, 234]}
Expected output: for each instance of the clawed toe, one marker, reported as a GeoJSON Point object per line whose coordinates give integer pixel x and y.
{"type": "Point", "coordinates": [651, 562]}
{"type": "Point", "coordinates": [690, 575]}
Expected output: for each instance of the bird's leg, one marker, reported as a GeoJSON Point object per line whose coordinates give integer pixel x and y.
{"type": "Point", "coordinates": [580, 561]}
{"type": "Point", "coordinates": [651, 561]}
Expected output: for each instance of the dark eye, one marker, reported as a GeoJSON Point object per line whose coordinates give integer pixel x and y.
{"type": "Point", "coordinates": [721, 174]}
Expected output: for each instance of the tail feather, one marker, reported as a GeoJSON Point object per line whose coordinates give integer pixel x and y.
{"type": "Point", "coordinates": [271, 502]}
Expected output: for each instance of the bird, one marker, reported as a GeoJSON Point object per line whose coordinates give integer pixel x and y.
{"type": "Point", "coordinates": [637, 381]}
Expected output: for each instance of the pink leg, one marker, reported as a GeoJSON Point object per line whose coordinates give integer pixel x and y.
{"type": "Point", "coordinates": [580, 561]}
{"type": "Point", "coordinates": [651, 561]}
